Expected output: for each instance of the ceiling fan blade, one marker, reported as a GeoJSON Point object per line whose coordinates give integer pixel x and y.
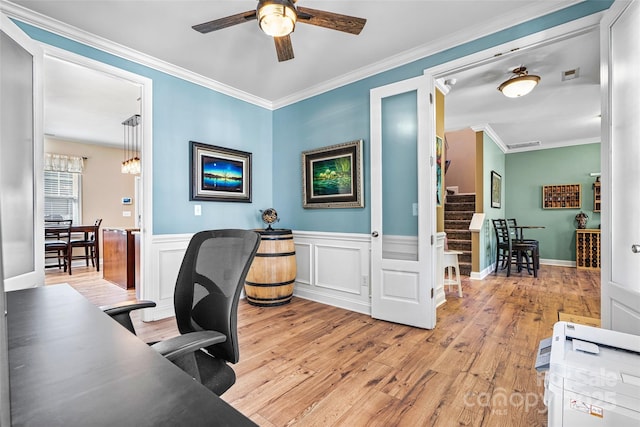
{"type": "Point", "coordinates": [334, 21]}
{"type": "Point", "coordinates": [284, 48]}
{"type": "Point", "coordinates": [228, 21]}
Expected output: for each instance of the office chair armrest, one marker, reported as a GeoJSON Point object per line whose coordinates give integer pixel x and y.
{"type": "Point", "coordinates": [175, 347]}
{"type": "Point", "coordinates": [126, 306]}
{"type": "Point", "coordinates": [121, 311]}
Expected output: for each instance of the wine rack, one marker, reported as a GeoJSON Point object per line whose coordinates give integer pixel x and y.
{"type": "Point", "coordinates": [561, 196]}
{"type": "Point", "coordinates": [596, 196]}
{"type": "Point", "coordinates": [588, 249]}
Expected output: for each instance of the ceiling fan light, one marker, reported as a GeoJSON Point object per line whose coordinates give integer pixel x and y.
{"type": "Point", "coordinates": [277, 18]}
{"type": "Point", "coordinates": [519, 85]}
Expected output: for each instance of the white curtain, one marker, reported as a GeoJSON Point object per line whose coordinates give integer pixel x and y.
{"type": "Point", "coordinates": [63, 163]}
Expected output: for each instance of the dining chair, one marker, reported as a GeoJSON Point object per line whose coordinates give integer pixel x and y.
{"type": "Point", "coordinates": [513, 224]}
{"type": "Point", "coordinates": [88, 242]}
{"type": "Point", "coordinates": [56, 244]}
{"type": "Point", "coordinates": [511, 251]}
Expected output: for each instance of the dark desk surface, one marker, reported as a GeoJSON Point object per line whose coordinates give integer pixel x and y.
{"type": "Point", "coordinates": [72, 365]}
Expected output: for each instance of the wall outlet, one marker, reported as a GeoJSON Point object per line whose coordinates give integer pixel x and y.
{"type": "Point", "coordinates": [415, 209]}
{"type": "Point", "coordinates": [126, 213]}
{"type": "Point", "coordinates": [197, 210]}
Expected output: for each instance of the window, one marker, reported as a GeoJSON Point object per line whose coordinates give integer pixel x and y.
{"type": "Point", "coordinates": [62, 195]}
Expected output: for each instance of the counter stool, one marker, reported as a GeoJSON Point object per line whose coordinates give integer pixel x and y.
{"type": "Point", "coordinates": [449, 262]}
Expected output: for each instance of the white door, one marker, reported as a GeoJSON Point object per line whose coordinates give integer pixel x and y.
{"type": "Point", "coordinates": [403, 204]}
{"type": "Point", "coordinates": [21, 156]}
{"type": "Point", "coordinates": [620, 55]}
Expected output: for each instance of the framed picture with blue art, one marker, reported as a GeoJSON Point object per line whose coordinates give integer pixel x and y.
{"type": "Point", "coordinates": [220, 174]}
{"type": "Point", "coordinates": [332, 176]}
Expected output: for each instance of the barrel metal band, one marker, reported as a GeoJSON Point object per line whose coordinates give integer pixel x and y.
{"type": "Point", "coordinates": [268, 285]}
{"type": "Point", "coordinates": [271, 255]}
{"type": "Point", "coordinates": [277, 237]}
{"type": "Point", "coordinates": [271, 299]}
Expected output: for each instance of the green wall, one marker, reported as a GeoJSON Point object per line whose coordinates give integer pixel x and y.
{"type": "Point", "coordinates": [527, 172]}
{"type": "Point", "coordinates": [493, 159]}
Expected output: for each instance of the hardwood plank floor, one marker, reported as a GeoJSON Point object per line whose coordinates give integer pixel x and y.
{"type": "Point", "coordinates": [310, 364]}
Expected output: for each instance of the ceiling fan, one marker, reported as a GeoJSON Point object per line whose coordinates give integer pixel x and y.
{"type": "Point", "coordinates": [277, 18]}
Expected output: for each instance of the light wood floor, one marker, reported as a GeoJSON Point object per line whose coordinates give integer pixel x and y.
{"type": "Point", "coordinates": [310, 364]}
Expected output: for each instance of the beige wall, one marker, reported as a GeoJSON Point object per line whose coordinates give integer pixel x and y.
{"type": "Point", "coordinates": [103, 185]}
{"type": "Point", "coordinates": [461, 151]}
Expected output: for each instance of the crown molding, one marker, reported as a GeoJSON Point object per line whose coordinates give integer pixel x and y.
{"type": "Point", "coordinates": [535, 10]}
{"type": "Point", "coordinates": [486, 128]}
{"type": "Point", "coordinates": [65, 30]}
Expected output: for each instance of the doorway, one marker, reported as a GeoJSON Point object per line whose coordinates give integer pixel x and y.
{"type": "Point", "coordinates": [516, 125]}
{"type": "Point", "coordinates": [87, 105]}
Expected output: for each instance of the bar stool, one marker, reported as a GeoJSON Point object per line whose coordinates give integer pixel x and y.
{"type": "Point", "coordinates": [449, 262]}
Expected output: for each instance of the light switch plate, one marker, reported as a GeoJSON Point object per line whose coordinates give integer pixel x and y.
{"type": "Point", "coordinates": [197, 210]}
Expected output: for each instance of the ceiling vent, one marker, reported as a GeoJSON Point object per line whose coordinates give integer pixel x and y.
{"type": "Point", "coordinates": [570, 74]}
{"type": "Point", "coordinates": [523, 144]}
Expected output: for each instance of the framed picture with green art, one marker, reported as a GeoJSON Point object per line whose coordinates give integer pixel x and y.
{"type": "Point", "coordinates": [332, 176]}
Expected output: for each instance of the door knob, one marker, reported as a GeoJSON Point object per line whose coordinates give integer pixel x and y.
{"type": "Point", "coordinates": [635, 248]}
{"type": "Point", "coordinates": [374, 234]}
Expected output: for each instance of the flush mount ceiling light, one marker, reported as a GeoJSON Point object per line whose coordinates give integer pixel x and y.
{"type": "Point", "coordinates": [277, 18]}
{"type": "Point", "coordinates": [520, 84]}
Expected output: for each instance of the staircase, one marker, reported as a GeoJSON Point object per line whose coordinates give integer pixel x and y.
{"type": "Point", "coordinates": [458, 211]}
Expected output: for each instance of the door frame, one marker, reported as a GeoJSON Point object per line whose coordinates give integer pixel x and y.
{"type": "Point", "coordinates": [440, 72]}
{"type": "Point", "coordinates": [146, 176]}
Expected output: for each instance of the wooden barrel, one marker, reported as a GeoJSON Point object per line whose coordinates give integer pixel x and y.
{"type": "Point", "coordinates": [272, 275]}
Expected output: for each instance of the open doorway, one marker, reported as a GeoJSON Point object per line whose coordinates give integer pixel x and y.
{"type": "Point", "coordinates": [87, 110]}
{"type": "Point", "coordinates": [562, 111]}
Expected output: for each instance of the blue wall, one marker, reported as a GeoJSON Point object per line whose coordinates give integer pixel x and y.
{"type": "Point", "coordinates": [342, 115]}
{"type": "Point", "coordinates": [183, 111]}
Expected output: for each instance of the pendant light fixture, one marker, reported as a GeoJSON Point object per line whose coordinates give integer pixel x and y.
{"type": "Point", "coordinates": [131, 163]}
{"type": "Point", "coordinates": [520, 84]}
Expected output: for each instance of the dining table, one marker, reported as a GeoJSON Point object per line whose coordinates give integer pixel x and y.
{"type": "Point", "coordinates": [53, 229]}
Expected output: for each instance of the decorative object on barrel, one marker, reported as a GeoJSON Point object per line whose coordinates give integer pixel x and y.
{"type": "Point", "coordinates": [332, 176]}
{"type": "Point", "coordinates": [272, 275]}
{"type": "Point", "coordinates": [220, 174]}
{"type": "Point", "coordinates": [269, 216]}
{"type": "Point", "coordinates": [581, 219]}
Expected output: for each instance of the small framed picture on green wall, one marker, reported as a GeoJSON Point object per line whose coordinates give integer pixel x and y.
{"type": "Point", "coordinates": [496, 190]}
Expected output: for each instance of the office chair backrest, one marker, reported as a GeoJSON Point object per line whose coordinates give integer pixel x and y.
{"type": "Point", "coordinates": [209, 283]}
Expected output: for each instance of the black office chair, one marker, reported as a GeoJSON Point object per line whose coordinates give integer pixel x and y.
{"type": "Point", "coordinates": [206, 296]}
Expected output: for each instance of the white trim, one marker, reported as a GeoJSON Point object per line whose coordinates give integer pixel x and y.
{"type": "Point", "coordinates": [534, 10]}
{"type": "Point", "coordinates": [148, 288]}
{"type": "Point", "coordinates": [537, 9]}
{"type": "Point", "coordinates": [57, 27]}
{"type": "Point", "coordinates": [486, 128]}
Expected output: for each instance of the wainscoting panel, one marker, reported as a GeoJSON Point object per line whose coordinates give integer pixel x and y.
{"type": "Point", "coordinates": [167, 252]}
{"type": "Point", "coordinates": [334, 269]}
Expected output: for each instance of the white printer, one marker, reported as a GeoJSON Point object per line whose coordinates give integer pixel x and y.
{"type": "Point", "coordinates": [593, 377]}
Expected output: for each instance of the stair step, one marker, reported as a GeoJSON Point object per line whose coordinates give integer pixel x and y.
{"type": "Point", "coordinates": [457, 198]}
{"type": "Point", "coordinates": [459, 245]}
{"type": "Point", "coordinates": [458, 234]}
{"type": "Point", "coordinates": [459, 215]}
{"type": "Point", "coordinates": [465, 268]}
{"type": "Point", "coordinates": [455, 224]}
{"type": "Point", "coordinates": [464, 206]}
